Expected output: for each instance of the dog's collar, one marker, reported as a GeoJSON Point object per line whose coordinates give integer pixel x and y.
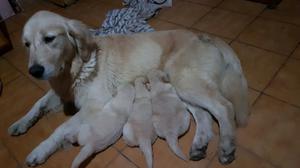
{"type": "Point", "coordinates": [87, 70]}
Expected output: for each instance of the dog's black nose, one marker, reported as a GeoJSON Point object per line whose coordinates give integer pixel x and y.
{"type": "Point", "coordinates": [36, 70]}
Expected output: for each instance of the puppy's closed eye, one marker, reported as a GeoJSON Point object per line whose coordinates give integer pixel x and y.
{"type": "Point", "coordinates": [48, 39]}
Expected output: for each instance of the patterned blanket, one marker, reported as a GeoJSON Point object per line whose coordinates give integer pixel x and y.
{"type": "Point", "coordinates": [132, 18]}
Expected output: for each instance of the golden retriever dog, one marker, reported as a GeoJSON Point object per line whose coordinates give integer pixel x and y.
{"type": "Point", "coordinates": [139, 130]}
{"type": "Point", "coordinates": [170, 116]}
{"type": "Point", "coordinates": [95, 129]}
{"type": "Point", "coordinates": [205, 72]}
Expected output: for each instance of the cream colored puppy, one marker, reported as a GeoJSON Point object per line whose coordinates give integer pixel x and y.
{"type": "Point", "coordinates": [139, 130]}
{"type": "Point", "coordinates": [170, 117]}
{"type": "Point", "coordinates": [95, 130]}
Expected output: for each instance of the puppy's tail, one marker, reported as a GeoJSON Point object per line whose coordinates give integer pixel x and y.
{"type": "Point", "coordinates": [84, 153]}
{"type": "Point", "coordinates": [173, 144]}
{"type": "Point", "coordinates": [146, 148]}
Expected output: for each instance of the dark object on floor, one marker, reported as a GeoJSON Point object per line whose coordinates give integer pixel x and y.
{"type": "Point", "coordinates": [4, 37]}
{"type": "Point", "coordinates": [271, 4]}
{"type": "Point", "coordinates": [1, 87]}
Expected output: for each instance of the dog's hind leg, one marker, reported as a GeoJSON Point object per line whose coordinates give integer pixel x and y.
{"type": "Point", "coordinates": [49, 102]}
{"type": "Point", "coordinates": [60, 136]}
{"type": "Point", "coordinates": [203, 132]}
{"type": "Point", "coordinates": [207, 95]}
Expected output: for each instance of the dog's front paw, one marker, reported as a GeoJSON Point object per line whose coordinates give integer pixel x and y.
{"type": "Point", "coordinates": [17, 128]}
{"type": "Point", "coordinates": [35, 158]}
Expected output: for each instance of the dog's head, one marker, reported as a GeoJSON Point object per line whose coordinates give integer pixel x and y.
{"type": "Point", "coordinates": [53, 41]}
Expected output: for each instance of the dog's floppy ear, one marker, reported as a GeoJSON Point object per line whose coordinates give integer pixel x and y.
{"type": "Point", "coordinates": [81, 39]}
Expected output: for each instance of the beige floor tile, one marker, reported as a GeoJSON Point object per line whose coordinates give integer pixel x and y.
{"type": "Point", "coordinates": [163, 25]}
{"type": "Point", "coordinates": [224, 23]}
{"type": "Point", "coordinates": [184, 13]}
{"type": "Point", "coordinates": [211, 3]}
{"type": "Point", "coordinates": [164, 158]}
{"type": "Point", "coordinates": [286, 86]}
{"type": "Point", "coordinates": [259, 65]}
{"type": "Point", "coordinates": [7, 71]}
{"type": "Point", "coordinates": [242, 6]}
{"type": "Point", "coordinates": [244, 159]}
{"type": "Point", "coordinates": [296, 53]}
{"type": "Point", "coordinates": [6, 160]}
{"type": "Point", "coordinates": [252, 96]}
{"type": "Point", "coordinates": [15, 102]}
{"type": "Point", "coordinates": [268, 34]}
{"type": "Point", "coordinates": [272, 132]}
{"type": "Point", "coordinates": [121, 161]}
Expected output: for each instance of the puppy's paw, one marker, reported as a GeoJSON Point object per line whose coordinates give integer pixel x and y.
{"type": "Point", "coordinates": [36, 157]}
{"type": "Point", "coordinates": [17, 128]}
{"type": "Point", "coordinates": [226, 158]}
{"type": "Point", "coordinates": [197, 153]}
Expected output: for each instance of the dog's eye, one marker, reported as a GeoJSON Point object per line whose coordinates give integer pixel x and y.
{"type": "Point", "coordinates": [49, 39]}
{"type": "Point", "coordinates": [27, 44]}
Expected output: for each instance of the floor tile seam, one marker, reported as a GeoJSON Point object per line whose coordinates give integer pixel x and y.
{"type": "Point", "coordinates": [24, 75]}
{"type": "Point", "coordinates": [199, 3]}
{"type": "Point", "coordinates": [279, 69]}
{"type": "Point", "coordinates": [257, 156]}
{"type": "Point", "coordinates": [11, 154]}
{"type": "Point", "coordinates": [281, 100]}
{"type": "Point", "coordinates": [246, 26]}
{"type": "Point", "coordinates": [267, 50]}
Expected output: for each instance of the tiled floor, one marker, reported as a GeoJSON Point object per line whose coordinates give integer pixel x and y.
{"type": "Point", "coordinates": [267, 42]}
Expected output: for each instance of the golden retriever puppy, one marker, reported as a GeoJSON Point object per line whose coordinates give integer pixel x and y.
{"type": "Point", "coordinates": [92, 128]}
{"type": "Point", "coordinates": [170, 116]}
{"type": "Point", "coordinates": [139, 130]}
{"type": "Point", "coordinates": [204, 70]}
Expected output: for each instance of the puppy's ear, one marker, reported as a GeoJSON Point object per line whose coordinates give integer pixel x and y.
{"type": "Point", "coordinates": [81, 39]}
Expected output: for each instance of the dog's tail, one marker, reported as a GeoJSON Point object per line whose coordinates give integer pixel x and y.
{"type": "Point", "coordinates": [84, 153]}
{"type": "Point", "coordinates": [146, 148]}
{"type": "Point", "coordinates": [172, 141]}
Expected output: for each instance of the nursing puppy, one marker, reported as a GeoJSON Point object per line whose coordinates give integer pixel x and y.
{"type": "Point", "coordinates": [170, 117]}
{"type": "Point", "coordinates": [94, 130]}
{"type": "Point", "coordinates": [139, 130]}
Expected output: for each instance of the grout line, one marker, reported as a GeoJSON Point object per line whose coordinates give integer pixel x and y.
{"type": "Point", "coordinates": [267, 50]}
{"type": "Point", "coordinates": [246, 26]}
{"type": "Point", "coordinates": [23, 74]}
{"type": "Point", "coordinates": [11, 154]}
{"type": "Point", "coordinates": [279, 69]}
{"type": "Point", "coordinates": [199, 3]}
{"type": "Point", "coordinates": [198, 20]}
{"type": "Point", "coordinates": [280, 21]}
{"type": "Point", "coordinates": [257, 156]}
{"type": "Point", "coordinates": [283, 101]}
{"type": "Point", "coordinates": [114, 158]}
{"type": "Point", "coordinates": [127, 158]}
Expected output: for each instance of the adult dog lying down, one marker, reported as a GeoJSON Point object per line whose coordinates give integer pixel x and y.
{"type": "Point", "coordinates": [204, 71]}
